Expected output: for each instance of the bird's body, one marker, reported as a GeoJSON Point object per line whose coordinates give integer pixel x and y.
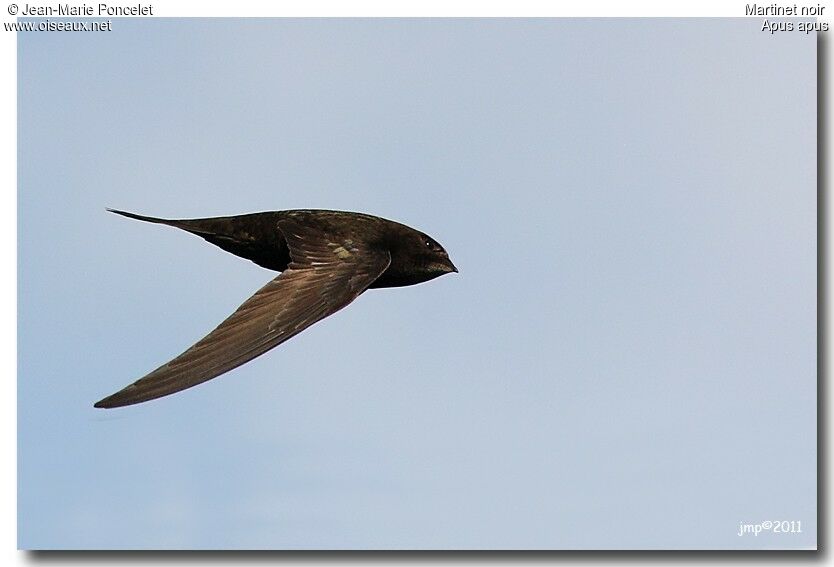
{"type": "Point", "coordinates": [326, 260]}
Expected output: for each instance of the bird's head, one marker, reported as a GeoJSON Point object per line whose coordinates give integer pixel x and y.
{"type": "Point", "coordinates": [415, 257]}
{"type": "Point", "coordinates": [424, 257]}
{"type": "Point", "coordinates": [432, 257]}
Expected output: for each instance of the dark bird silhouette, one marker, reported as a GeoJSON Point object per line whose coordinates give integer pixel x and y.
{"type": "Point", "coordinates": [326, 259]}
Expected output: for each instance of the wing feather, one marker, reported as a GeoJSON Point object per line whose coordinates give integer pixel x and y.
{"type": "Point", "coordinates": [325, 275]}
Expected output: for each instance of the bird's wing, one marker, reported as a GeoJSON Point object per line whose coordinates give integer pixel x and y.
{"type": "Point", "coordinates": [323, 277]}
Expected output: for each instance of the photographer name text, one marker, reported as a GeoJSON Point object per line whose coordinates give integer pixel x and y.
{"type": "Point", "coordinates": [87, 10]}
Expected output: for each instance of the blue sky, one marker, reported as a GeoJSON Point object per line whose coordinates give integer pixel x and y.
{"type": "Point", "coordinates": [626, 360]}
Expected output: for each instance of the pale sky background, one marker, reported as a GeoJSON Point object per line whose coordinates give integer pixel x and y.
{"type": "Point", "coordinates": [626, 360]}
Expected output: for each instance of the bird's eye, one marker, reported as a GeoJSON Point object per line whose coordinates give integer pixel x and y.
{"type": "Point", "coordinates": [428, 243]}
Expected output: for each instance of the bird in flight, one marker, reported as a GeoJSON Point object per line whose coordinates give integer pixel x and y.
{"type": "Point", "coordinates": [326, 259]}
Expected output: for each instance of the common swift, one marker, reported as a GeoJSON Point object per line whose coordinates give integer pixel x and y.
{"type": "Point", "coordinates": [326, 259]}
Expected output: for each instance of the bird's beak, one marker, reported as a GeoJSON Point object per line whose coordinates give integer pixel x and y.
{"type": "Point", "coordinates": [442, 266]}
